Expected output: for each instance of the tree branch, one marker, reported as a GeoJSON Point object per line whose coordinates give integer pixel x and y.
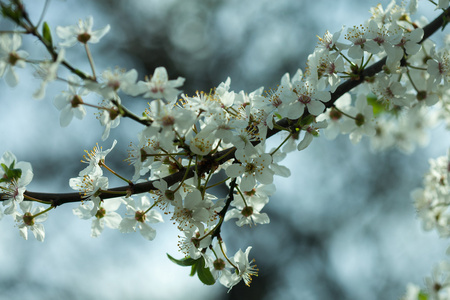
{"type": "Point", "coordinates": [214, 161]}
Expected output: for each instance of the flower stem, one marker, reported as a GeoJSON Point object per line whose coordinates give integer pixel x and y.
{"type": "Point", "coordinates": [36, 200]}
{"type": "Point", "coordinates": [226, 257]}
{"type": "Point", "coordinates": [101, 163]}
{"type": "Point", "coordinates": [217, 183]}
{"type": "Point", "coordinates": [91, 60]}
{"type": "Point", "coordinates": [278, 148]}
{"type": "Point", "coordinates": [43, 212]}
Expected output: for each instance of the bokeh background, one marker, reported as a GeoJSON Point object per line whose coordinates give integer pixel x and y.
{"type": "Point", "coordinates": [342, 226]}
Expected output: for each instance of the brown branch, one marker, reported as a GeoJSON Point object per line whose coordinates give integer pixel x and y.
{"type": "Point", "coordinates": [207, 164]}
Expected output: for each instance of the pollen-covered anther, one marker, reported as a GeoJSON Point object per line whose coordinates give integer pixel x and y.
{"type": "Point", "coordinates": [250, 168]}
{"type": "Point", "coordinates": [276, 101]}
{"type": "Point", "coordinates": [304, 99]}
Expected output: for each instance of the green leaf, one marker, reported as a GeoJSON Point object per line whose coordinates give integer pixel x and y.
{"type": "Point", "coordinates": [11, 12]}
{"type": "Point", "coordinates": [422, 296]}
{"type": "Point", "coordinates": [47, 34]}
{"type": "Point", "coordinates": [306, 121]}
{"type": "Point", "coordinates": [10, 173]}
{"type": "Point", "coordinates": [204, 274]}
{"type": "Point", "coordinates": [373, 101]}
{"type": "Point", "coordinates": [194, 269]}
{"type": "Point", "coordinates": [184, 262]}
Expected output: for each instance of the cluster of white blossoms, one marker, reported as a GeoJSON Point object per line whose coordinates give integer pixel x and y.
{"type": "Point", "coordinates": [432, 202]}
{"type": "Point", "coordinates": [14, 177]}
{"type": "Point", "coordinates": [187, 141]}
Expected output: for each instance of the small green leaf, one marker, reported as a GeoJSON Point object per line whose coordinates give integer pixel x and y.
{"type": "Point", "coordinates": [47, 34]}
{"type": "Point", "coordinates": [306, 121]}
{"type": "Point", "coordinates": [11, 12]}
{"type": "Point", "coordinates": [194, 269]}
{"type": "Point", "coordinates": [10, 173]}
{"type": "Point", "coordinates": [184, 262]}
{"type": "Point", "coordinates": [373, 101]}
{"type": "Point", "coordinates": [204, 274]}
{"type": "Point", "coordinates": [422, 296]}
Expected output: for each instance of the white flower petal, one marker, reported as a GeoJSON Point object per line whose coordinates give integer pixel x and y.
{"type": "Point", "coordinates": [147, 231]}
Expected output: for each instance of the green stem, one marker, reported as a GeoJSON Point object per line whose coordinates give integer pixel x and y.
{"type": "Point", "coordinates": [101, 163]}
{"type": "Point", "coordinates": [367, 62]}
{"type": "Point", "coordinates": [41, 18]}
{"type": "Point", "coordinates": [278, 148]}
{"type": "Point", "coordinates": [226, 257]}
{"type": "Point", "coordinates": [153, 205]}
{"type": "Point", "coordinates": [91, 60]}
{"type": "Point", "coordinates": [417, 68]}
{"type": "Point", "coordinates": [185, 175]}
{"type": "Point", "coordinates": [345, 114]}
{"type": "Point", "coordinates": [43, 212]}
{"type": "Point", "coordinates": [217, 183]}
{"type": "Point", "coordinates": [94, 106]}
{"type": "Point", "coordinates": [242, 195]}
{"type": "Point", "coordinates": [347, 59]}
{"type": "Point", "coordinates": [129, 114]}
{"type": "Point", "coordinates": [410, 80]}
{"type": "Point", "coordinates": [226, 154]}
{"type": "Point", "coordinates": [36, 200]}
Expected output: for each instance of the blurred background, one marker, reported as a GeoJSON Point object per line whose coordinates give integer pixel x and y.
{"type": "Point", "coordinates": [342, 226]}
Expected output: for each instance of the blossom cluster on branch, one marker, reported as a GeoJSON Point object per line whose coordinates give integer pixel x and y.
{"type": "Point", "coordinates": [383, 79]}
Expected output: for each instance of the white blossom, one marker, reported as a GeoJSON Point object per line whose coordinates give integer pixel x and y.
{"type": "Point", "coordinates": [82, 33]}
